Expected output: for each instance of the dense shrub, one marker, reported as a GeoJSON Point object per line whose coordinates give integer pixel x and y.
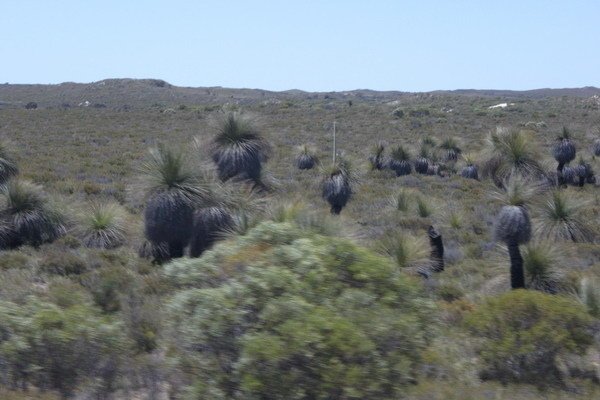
{"type": "Point", "coordinates": [284, 314]}
{"type": "Point", "coordinates": [524, 333]}
{"type": "Point", "coordinates": [57, 348]}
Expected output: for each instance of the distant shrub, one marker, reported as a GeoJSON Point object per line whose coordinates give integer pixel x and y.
{"type": "Point", "coordinates": [524, 332]}
{"type": "Point", "coordinates": [282, 313]}
{"type": "Point", "coordinates": [32, 105]}
{"type": "Point", "coordinates": [62, 263]}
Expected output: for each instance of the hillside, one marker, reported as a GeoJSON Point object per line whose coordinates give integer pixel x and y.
{"type": "Point", "coordinates": [287, 282]}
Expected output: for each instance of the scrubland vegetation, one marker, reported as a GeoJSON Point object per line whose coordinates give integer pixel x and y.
{"type": "Point", "coordinates": [208, 247]}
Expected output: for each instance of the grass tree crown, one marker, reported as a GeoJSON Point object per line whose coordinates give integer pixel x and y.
{"type": "Point", "coordinates": [564, 149]}
{"type": "Point", "coordinates": [238, 150]}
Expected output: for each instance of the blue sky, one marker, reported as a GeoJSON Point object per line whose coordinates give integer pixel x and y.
{"type": "Point", "coordinates": [310, 45]}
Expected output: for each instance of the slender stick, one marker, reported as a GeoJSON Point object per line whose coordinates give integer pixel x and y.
{"type": "Point", "coordinates": [334, 149]}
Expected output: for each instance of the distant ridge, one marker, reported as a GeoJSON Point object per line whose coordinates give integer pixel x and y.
{"type": "Point", "coordinates": [117, 93]}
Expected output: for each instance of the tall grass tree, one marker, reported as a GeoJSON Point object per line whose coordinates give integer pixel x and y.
{"type": "Point", "coordinates": [513, 226]}
{"type": "Point", "coordinates": [337, 185]}
{"type": "Point", "coordinates": [173, 189]}
{"type": "Point", "coordinates": [238, 150]}
{"type": "Point", "coordinates": [564, 152]}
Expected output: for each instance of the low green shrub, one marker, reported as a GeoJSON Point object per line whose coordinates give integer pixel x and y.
{"type": "Point", "coordinates": [523, 334]}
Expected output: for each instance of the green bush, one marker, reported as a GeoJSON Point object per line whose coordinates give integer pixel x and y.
{"type": "Point", "coordinates": [282, 313]}
{"type": "Point", "coordinates": [57, 348]}
{"type": "Point", "coordinates": [524, 332]}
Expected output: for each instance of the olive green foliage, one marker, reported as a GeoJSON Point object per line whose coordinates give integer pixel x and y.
{"type": "Point", "coordinates": [57, 348]}
{"type": "Point", "coordinates": [524, 332]}
{"type": "Point", "coordinates": [282, 313]}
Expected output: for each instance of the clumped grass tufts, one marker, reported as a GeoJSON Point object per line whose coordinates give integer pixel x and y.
{"type": "Point", "coordinates": [238, 150]}
{"type": "Point", "coordinates": [424, 209]}
{"type": "Point", "coordinates": [306, 158]}
{"type": "Point", "coordinates": [402, 200]}
{"type": "Point", "coordinates": [28, 217]}
{"type": "Point", "coordinates": [103, 226]}
{"type": "Point", "coordinates": [510, 151]}
{"type": "Point", "coordinates": [539, 263]}
{"type": "Point", "coordinates": [8, 168]}
{"type": "Point", "coordinates": [407, 251]}
{"type": "Point", "coordinates": [560, 218]}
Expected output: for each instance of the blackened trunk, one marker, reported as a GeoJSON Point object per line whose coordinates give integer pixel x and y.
{"type": "Point", "coordinates": [581, 181]}
{"type": "Point", "coordinates": [336, 209]}
{"type": "Point", "coordinates": [517, 276]}
{"type": "Point", "coordinates": [559, 173]}
{"type": "Point", "coordinates": [437, 249]}
{"type": "Point", "coordinates": [176, 249]}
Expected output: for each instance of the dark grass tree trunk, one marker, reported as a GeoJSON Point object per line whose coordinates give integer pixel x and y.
{"type": "Point", "coordinates": [437, 249]}
{"type": "Point", "coordinates": [559, 174]}
{"type": "Point", "coordinates": [517, 275]}
{"type": "Point", "coordinates": [336, 209]}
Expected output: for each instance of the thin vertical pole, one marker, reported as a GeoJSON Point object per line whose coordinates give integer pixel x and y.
{"type": "Point", "coordinates": [334, 143]}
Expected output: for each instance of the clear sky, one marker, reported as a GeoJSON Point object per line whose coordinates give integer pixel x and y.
{"type": "Point", "coordinates": [305, 44]}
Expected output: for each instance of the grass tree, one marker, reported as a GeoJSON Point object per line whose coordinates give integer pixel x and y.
{"type": "Point", "coordinates": [563, 152]}
{"type": "Point", "coordinates": [422, 162]}
{"type": "Point", "coordinates": [103, 226]}
{"type": "Point", "coordinates": [451, 149]}
{"type": "Point", "coordinates": [539, 262]}
{"type": "Point", "coordinates": [470, 171]}
{"type": "Point", "coordinates": [561, 218]}
{"type": "Point", "coordinates": [510, 150]}
{"type": "Point", "coordinates": [377, 158]}
{"type": "Point", "coordinates": [337, 185]}
{"type": "Point", "coordinates": [173, 190]}
{"type": "Point", "coordinates": [8, 168]}
{"type": "Point", "coordinates": [28, 217]}
{"type": "Point", "coordinates": [210, 223]}
{"type": "Point", "coordinates": [238, 150]}
{"type": "Point", "coordinates": [400, 161]}
{"type": "Point", "coordinates": [306, 157]}
{"type": "Point", "coordinates": [513, 225]}
{"type": "Point", "coordinates": [596, 147]}
{"type": "Point", "coordinates": [569, 175]}
{"type": "Point", "coordinates": [584, 172]}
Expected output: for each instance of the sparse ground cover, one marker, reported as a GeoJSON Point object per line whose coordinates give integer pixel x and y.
{"type": "Point", "coordinates": [91, 160]}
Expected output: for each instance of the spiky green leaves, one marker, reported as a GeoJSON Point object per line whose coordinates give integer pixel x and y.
{"type": "Point", "coordinates": [510, 151]}
{"type": "Point", "coordinates": [561, 218]}
{"type": "Point", "coordinates": [238, 150]}
{"type": "Point", "coordinates": [8, 168]}
{"type": "Point", "coordinates": [28, 217]}
{"type": "Point", "coordinates": [451, 149]}
{"type": "Point", "coordinates": [103, 226]}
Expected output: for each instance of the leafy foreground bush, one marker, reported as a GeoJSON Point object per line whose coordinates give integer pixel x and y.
{"type": "Point", "coordinates": [525, 332]}
{"type": "Point", "coordinates": [57, 348]}
{"type": "Point", "coordinates": [283, 313]}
